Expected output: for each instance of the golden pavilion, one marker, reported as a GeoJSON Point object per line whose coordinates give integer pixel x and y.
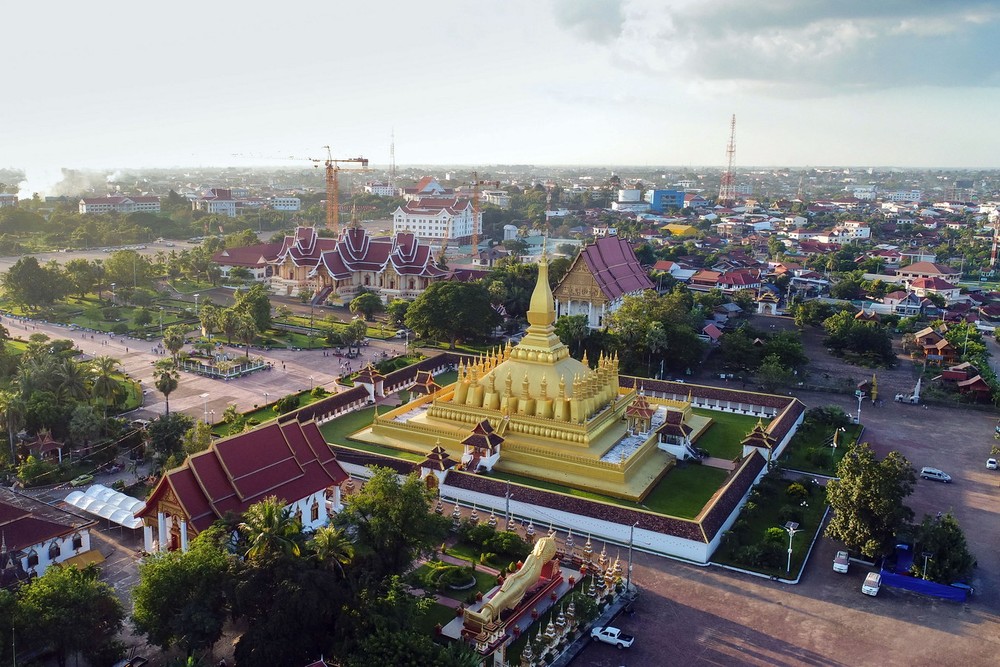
{"type": "Point", "coordinates": [559, 419]}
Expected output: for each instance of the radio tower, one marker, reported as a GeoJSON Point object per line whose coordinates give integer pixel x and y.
{"type": "Point", "coordinates": [727, 188]}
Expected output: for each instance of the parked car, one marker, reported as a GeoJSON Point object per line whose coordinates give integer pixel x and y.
{"type": "Point", "coordinates": [613, 636]}
{"type": "Point", "coordinates": [991, 464]}
{"type": "Point", "coordinates": [872, 583]}
{"type": "Point", "coordinates": [935, 474]}
{"type": "Point", "coordinates": [82, 480]}
{"type": "Point", "coordinates": [841, 562]}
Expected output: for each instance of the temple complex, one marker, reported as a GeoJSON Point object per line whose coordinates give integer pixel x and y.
{"type": "Point", "coordinates": [556, 418]}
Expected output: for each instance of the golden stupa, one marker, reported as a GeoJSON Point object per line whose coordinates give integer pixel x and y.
{"type": "Point", "coordinates": [559, 418]}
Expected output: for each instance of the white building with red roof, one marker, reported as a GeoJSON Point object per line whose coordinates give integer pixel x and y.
{"type": "Point", "coordinates": [928, 270]}
{"type": "Point", "coordinates": [599, 279]}
{"type": "Point", "coordinates": [427, 186]}
{"type": "Point", "coordinates": [218, 201]}
{"type": "Point", "coordinates": [438, 221]}
{"type": "Point", "coordinates": [393, 267]}
{"type": "Point", "coordinates": [120, 204]}
{"type": "Point", "coordinates": [290, 461]}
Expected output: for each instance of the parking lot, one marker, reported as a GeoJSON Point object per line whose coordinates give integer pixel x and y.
{"type": "Point", "coordinates": [690, 615]}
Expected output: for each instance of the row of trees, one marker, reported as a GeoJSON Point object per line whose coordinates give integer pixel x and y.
{"type": "Point", "coordinates": [336, 591]}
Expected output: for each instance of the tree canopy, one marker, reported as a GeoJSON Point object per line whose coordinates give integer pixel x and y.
{"type": "Point", "coordinates": [452, 310]}
{"type": "Point", "coordinates": [867, 500]}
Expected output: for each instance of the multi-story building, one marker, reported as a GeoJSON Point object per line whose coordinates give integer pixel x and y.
{"type": "Point", "coordinates": [904, 195]}
{"type": "Point", "coordinates": [662, 200]}
{"type": "Point", "coordinates": [438, 221]}
{"type": "Point", "coordinates": [8, 201]}
{"type": "Point", "coordinates": [285, 203]}
{"type": "Point", "coordinates": [380, 189]}
{"type": "Point", "coordinates": [120, 204]}
{"type": "Point", "coordinates": [498, 198]}
{"type": "Point", "coordinates": [219, 201]}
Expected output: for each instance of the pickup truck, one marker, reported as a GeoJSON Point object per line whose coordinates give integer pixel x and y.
{"type": "Point", "coordinates": [612, 636]}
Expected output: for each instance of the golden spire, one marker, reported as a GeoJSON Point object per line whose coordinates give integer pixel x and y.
{"type": "Point", "coordinates": [542, 309]}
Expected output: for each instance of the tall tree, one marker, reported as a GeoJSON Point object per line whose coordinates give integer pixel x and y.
{"type": "Point", "coordinates": [270, 530]}
{"type": "Point", "coordinates": [451, 310]}
{"type": "Point", "coordinates": [367, 304]}
{"type": "Point", "coordinates": [181, 596]}
{"type": "Point", "coordinates": [165, 378]}
{"type": "Point", "coordinates": [391, 522]}
{"type": "Point", "coordinates": [867, 500]}
{"type": "Point", "coordinates": [173, 339]}
{"type": "Point", "coordinates": [948, 557]}
{"type": "Point", "coordinates": [255, 302]}
{"type": "Point", "coordinates": [70, 610]}
{"type": "Point", "coordinates": [104, 384]}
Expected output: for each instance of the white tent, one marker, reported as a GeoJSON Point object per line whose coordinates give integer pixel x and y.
{"type": "Point", "coordinates": [108, 504]}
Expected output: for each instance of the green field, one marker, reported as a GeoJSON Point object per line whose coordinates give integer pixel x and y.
{"type": "Point", "coordinates": [723, 437]}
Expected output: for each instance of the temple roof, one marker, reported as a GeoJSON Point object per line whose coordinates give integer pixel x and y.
{"type": "Point", "coordinates": [438, 459]}
{"type": "Point", "coordinates": [759, 437]}
{"type": "Point", "coordinates": [424, 383]}
{"type": "Point", "coordinates": [615, 267]}
{"type": "Point", "coordinates": [640, 407]}
{"type": "Point", "coordinates": [483, 436]}
{"type": "Point", "coordinates": [288, 460]}
{"type": "Point", "coordinates": [369, 375]}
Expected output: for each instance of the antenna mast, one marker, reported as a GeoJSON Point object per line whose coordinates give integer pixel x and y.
{"type": "Point", "coordinates": [727, 188]}
{"type": "Point", "coordinates": [392, 159]}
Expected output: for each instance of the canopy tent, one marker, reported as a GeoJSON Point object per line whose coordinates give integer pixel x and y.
{"type": "Point", "coordinates": [108, 504]}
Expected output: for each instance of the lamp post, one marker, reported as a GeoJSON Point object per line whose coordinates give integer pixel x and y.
{"type": "Point", "coordinates": [861, 397]}
{"type": "Point", "coordinates": [791, 527]}
{"type": "Point", "coordinates": [312, 383]}
{"type": "Point", "coordinates": [267, 398]}
{"type": "Point", "coordinates": [196, 303]}
{"type": "Point", "coordinates": [113, 285]}
{"type": "Point", "coordinates": [204, 398]}
{"type": "Point", "coordinates": [926, 555]}
{"type": "Point", "coordinates": [212, 412]}
{"type": "Point", "coordinates": [161, 321]}
{"type": "Point", "coordinates": [628, 575]}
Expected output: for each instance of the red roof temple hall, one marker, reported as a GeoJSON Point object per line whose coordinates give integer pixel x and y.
{"type": "Point", "coordinates": [290, 460]}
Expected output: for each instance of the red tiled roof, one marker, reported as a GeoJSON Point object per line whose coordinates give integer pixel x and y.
{"type": "Point", "coordinates": [290, 460]}
{"type": "Point", "coordinates": [932, 284]}
{"type": "Point", "coordinates": [929, 268]}
{"type": "Point", "coordinates": [254, 255]}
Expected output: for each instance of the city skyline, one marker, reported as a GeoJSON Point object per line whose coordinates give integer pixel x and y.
{"type": "Point", "coordinates": [608, 82]}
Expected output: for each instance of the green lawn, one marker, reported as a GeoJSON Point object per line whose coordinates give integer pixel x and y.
{"type": "Point", "coordinates": [810, 451]}
{"type": "Point", "coordinates": [685, 490]}
{"type": "Point", "coordinates": [437, 614]}
{"type": "Point", "coordinates": [338, 430]}
{"type": "Point", "coordinates": [723, 437]}
{"type": "Point", "coordinates": [469, 552]}
{"type": "Point", "coordinates": [446, 378]}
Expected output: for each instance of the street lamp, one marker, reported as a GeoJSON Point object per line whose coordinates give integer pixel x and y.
{"type": "Point", "coordinates": [628, 575]}
{"type": "Point", "coordinates": [926, 555]}
{"type": "Point", "coordinates": [212, 412]}
{"type": "Point", "coordinates": [113, 292]}
{"type": "Point", "coordinates": [791, 527]}
{"type": "Point", "coordinates": [267, 398]}
{"type": "Point", "coordinates": [196, 303]}
{"type": "Point", "coordinates": [161, 321]}
{"type": "Point", "coordinates": [861, 397]}
{"type": "Point", "coordinates": [311, 383]}
{"type": "Point", "coordinates": [204, 398]}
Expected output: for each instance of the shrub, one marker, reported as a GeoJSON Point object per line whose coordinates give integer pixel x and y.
{"type": "Point", "coordinates": [775, 535]}
{"type": "Point", "coordinates": [286, 404]}
{"type": "Point", "coordinates": [797, 492]}
{"type": "Point", "coordinates": [318, 392]}
{"type": "Point", "coordinates": [772, 554]}
{"type": "Point", "coordinates": [748, 555]}
{"type": "Point", "coordinates": [120, 328]}
{"type": "Point", "coordinates": [790, 513]}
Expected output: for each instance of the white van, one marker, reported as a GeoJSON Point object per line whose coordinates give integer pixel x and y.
{"type": "Point", "coordinates": [872, 583]}
{"type": "Point", "coordinates": [842, 562]}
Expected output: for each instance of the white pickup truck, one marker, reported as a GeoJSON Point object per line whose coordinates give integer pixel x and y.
{"type": "Point", "coordinates": [612, 636]}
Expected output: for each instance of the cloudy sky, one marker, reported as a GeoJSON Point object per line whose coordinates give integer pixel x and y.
{"type": "Point", "coordinates": [812, 82]}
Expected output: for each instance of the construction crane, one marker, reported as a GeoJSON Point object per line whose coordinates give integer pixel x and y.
{"type": "Point", "coordinates": [476, 182]}
{"type": "Point", "coordinates": [333, 168]}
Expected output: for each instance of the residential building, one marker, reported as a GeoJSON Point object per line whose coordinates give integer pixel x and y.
{"type": "Point", "coordinates": [8, 201]}
{"type": "Point", "coordinates": [598, 280]}
{"type": "Point", "coordinates": [119, 204]}
{"type": "Point", "coordinates": [380, 189]}
{"type": "Point", "coordinates": [426, 187]}
{"type": "Point", "coordinates": [928, 270]}
{"type": "Point", "coordinates": [438, 221]}
{"type": "Point", "coordinates": [499, 198]}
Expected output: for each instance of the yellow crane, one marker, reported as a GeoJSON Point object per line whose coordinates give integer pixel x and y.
{"type": "Point", "coordinates": [476, 182]}
{"type": "Point", "coordinates": [333, 168]}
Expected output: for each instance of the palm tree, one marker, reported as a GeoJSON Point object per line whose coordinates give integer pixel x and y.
{"type": "Point", "coordinates": [166, 377]}
{"type": "Point", "coordinates": [271, 530]}
{"type": "Point", "coordinates": [105, 386]}
{"type": "Point", "coordinates": [173, 339]}
{"type": "Point", "coordinates": [12, 407]}
{"type": "Point", "coordinates": [331, 548]}
{"type": "Point", "coordinates": [246, 330]}
{"type": "Point", "coordinates": [71, 380]}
